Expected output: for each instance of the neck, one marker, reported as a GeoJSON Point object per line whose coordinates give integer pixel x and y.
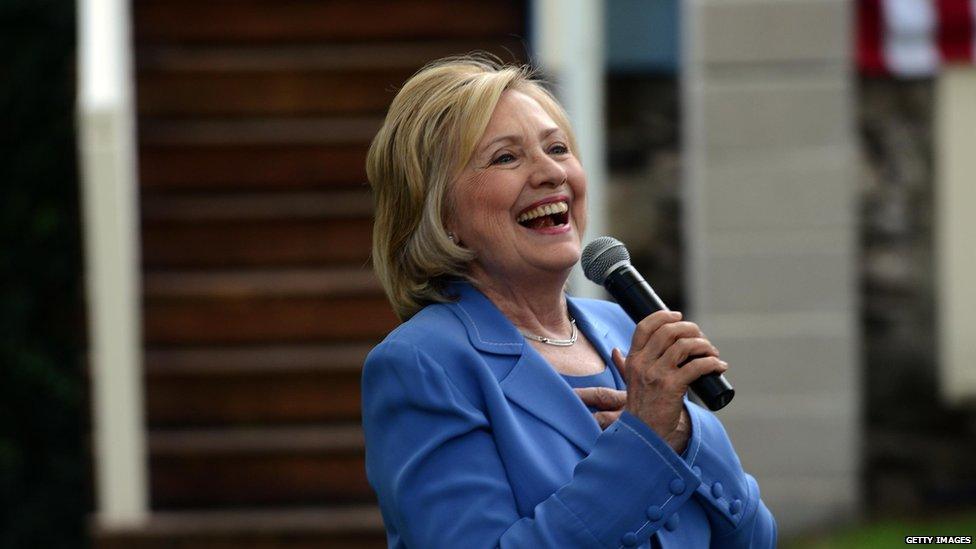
{"type": "Point", "coordinates": [537, 307]}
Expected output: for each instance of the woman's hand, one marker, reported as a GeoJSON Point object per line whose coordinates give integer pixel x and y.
{"type": "Point", "coordinates": [608, 402]}
{"type": "Point", "coordinates": [655, 384]}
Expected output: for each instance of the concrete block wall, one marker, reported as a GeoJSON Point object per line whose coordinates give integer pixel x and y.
{"type": "Point", "coordinates": [771, 240]}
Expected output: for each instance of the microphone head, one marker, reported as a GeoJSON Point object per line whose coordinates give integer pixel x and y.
{"type": "Point", "coordinates": [601, 255]}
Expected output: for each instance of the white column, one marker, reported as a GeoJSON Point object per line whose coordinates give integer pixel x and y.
{"type": "Point", "coordinates": [955, 194]}
{"type": "Point", "coordinates": [111, 226]}
{"type": "Point", "coordinates": [568, 42]}
{"type": "Point", "coordinates": [770, 240]}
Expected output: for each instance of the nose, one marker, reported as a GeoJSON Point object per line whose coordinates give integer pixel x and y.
{"type": "Point", "coordinates": [546, 171]}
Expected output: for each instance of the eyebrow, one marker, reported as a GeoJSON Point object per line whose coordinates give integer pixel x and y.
{"type": "Point", "coordinates": [516, 138]}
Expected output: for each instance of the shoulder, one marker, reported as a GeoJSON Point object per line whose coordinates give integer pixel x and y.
{"type": "Point", "coordinates": [434, 329]}
{"type": "Point", "coordinates": [435, 321]}
{"type": "Point", "coordinates": [431, 345]}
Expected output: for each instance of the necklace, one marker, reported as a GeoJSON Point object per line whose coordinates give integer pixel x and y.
{"type": "Point", "coordinates": [556, 342]}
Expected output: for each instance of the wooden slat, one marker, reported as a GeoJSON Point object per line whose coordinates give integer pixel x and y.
{"type": "Point", "coordinates": [377, 56]}
{"type": "Point", "coordinates": [268, 399]}
{"type": "Point", "coordinates": [257, 466]}
{"type": "Point", "coordinates": [289, 80]}
{"type": "Point", "coordinates": [260, 540]}
{"type": "Point", "coordinates": [255, 386]}
{"type": "Point", "coordinates": [177, 208]}
{"type": "Point", "coordinates": [240, 229]}
{"type": "Point", "coordinates": [258, 243]}
{"type": "Point", "coordinates": [267, 320]}
{"type": "Point", "coordinates": [220, 362]}
{"type": "Point", "coordinates": [244, 167]}
{"type": "Point", "coordinates": [261, 283]}
{"type": "Point", "coordinates": [275, 306]}
{"type": "Point", "coordinates": [317, 20]}
{"type": "Point", "coordinates": [356, 526]}
{"type": "Point", "coordinates": [321, 520]}
{"type": "Point", "coordinates": [262, 93]}
{"type": "Point", "coordinates": [284, 479]}
{"type": "Point", "coordinates": [209, 132]}
{"type": "Point", "coordinates": [347, 439]}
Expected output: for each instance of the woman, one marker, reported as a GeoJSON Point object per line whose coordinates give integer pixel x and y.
{"type": "Point", "coordinates": [497, 414]}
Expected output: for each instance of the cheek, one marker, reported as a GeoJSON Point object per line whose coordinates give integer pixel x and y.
{"type": "Point", "coordinates": [579, 199]}
{"type": "Point", "coordinates": [579, 215]}
{"type": "Point", "coordinates": [482, 209]}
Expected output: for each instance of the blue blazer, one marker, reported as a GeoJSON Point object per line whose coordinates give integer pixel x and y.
{"type": "Point", "coordinates": [474, 440]}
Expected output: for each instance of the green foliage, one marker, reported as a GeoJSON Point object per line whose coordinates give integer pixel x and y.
{"type": "Point", "coordinates": [43, 469]}
{"type": "Point", "coordinates": [889, 533]}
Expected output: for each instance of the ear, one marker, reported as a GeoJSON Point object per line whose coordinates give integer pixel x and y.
{"type": "Point", "coordinates": [451, 234]}
{"type": "Point", "coordinates": [450, 225]}
{"type": "Point", "coordinates": [451, 228]}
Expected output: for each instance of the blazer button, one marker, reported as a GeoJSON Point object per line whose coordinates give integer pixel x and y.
{"type": "Point", "coordinates": [717, 490]}
{"type": "Point", "coordinates": [672, 523]}
{"type": "Point", "coordinates": [654, 513]}
{"type": "Point", "coordinates": [735, 506]}
{"type": "Point", "coordinates": [677, 486]}
{"type": "Point", "coordinates": [697, 470]}
{"type": "Point", "coordinates": [629, 539]}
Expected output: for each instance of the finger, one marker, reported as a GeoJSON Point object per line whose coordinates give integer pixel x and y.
{"type": "Point", "coordinates": [700, 367]}
{"type": "Point", "coordinates": [650, 325]}
{"type": "Point", "coordinates": [667, 334]}
{"type": "Point", "coordinates": [602, 398]}
{"type": "Point", "coordinates": [687, 347]}
{"type": "Point", "coordinates": [606, 419]}
{"type": "Point", "coordinates": [620, 362]}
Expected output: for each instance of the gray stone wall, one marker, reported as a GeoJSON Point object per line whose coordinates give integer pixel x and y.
{"type": "Point", "coordinates": [916, 452]}
{"type": "Point", "coordinates": [770, 233]}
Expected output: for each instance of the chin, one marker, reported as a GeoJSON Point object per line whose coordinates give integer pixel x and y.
{"type": "Point", "coordinates": [565, 259]}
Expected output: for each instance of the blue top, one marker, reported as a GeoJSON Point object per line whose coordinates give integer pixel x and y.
{"type": "Point", "coordinates": [474, 440]}
{"type": "Point", "coordinates": [603, 379]}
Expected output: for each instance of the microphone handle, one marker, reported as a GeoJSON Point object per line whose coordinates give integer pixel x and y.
{"type": "Point", "coordinates": [638, 299]}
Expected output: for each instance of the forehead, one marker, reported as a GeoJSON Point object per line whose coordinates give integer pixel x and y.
{"type": "Point", "coordinates": [516, 111]}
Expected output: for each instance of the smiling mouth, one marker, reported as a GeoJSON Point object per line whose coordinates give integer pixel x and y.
{"type": "Point", "coordinates": [553, 214]}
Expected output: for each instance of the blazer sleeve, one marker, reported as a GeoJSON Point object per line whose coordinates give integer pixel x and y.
{"type": "Point", "coordinates": [737, 516]}
{"type": "Point", "coordinates": [440, 481]}
{"type": "Point", "coordinates": [730, 496]}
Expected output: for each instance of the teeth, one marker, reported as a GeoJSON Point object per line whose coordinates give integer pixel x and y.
{"type": "Point", "coordinates": [546, 209]}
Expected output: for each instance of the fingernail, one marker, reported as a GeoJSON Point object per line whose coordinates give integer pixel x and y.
{"type": "Point", "coordinates": [724, 363]}
{"type": "Point", "coordinates": [676, 314]}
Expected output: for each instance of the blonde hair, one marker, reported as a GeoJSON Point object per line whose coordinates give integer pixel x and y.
{"type": "Point", "coordinates": [430, 132]}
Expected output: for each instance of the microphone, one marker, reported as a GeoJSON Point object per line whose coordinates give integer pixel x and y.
{"type": "Point", "coordinates": [606, 261]}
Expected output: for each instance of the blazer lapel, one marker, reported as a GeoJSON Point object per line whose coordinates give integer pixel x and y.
{"type": "Point", "coordinates": [535, 386]}
{"type": "Point", "coordinates": [598, 334]}
{"type": "Point", "coordinates": [532, 383]}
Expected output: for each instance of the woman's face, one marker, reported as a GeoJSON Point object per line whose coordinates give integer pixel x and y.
{"type": "Point", "coordinates": [520, 203]}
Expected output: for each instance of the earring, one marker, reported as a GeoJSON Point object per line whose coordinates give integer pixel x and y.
{"type": "Point", "coordinates": [451, 236]}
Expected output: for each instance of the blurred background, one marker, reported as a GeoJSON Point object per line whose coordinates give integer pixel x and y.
{"type": "Point", "coordinates": [187, 298]}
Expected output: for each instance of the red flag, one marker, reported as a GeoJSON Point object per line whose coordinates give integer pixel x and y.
{"type": "Point", "coordinates": [914, 38]}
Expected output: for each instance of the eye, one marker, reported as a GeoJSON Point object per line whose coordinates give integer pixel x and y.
{"type": "Point", "coordinates": [505, 158]}
{"type": "Point", "coordinates": [558, 148]}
